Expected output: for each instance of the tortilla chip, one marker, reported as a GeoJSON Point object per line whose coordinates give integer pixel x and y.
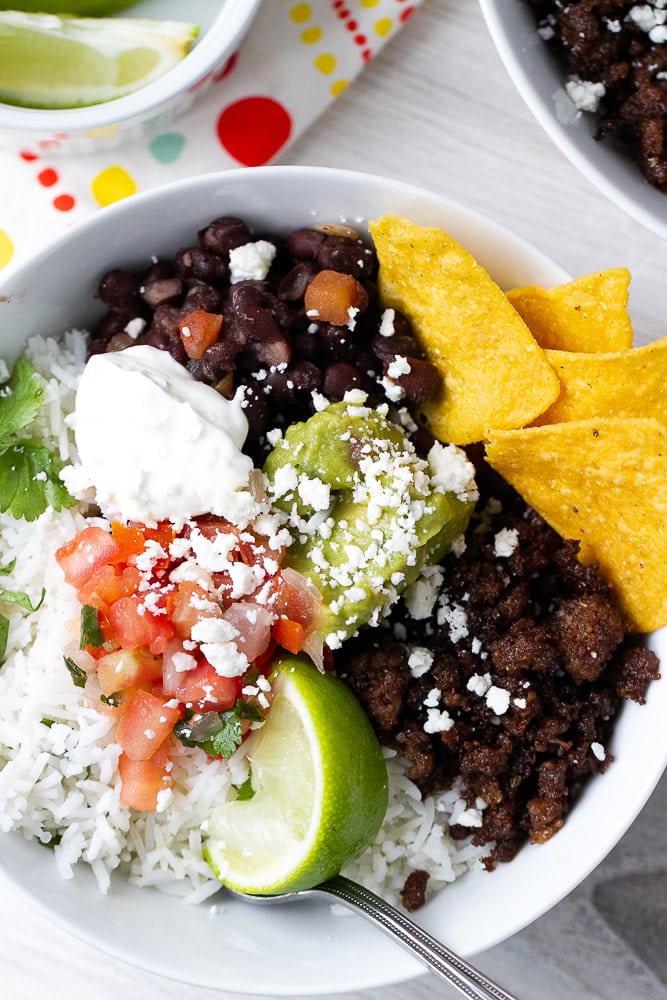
{"type": "Point", "coordinates": [626, 383]}
{"type": "Point", "coordinates": [604, 482]}
{"type": "Point", "coordinates": [588, 314]}
{"type": "Point", "coordinates": [494, 374]}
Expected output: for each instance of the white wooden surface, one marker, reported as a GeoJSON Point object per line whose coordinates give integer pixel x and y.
{"type": "Point", "coordinates": [437, 109]}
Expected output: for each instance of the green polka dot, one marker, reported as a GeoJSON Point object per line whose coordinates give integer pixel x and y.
{"type": "Point", "coordinates": [167, 148]}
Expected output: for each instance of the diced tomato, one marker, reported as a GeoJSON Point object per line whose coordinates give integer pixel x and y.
{"type": "Point", "coordinates": [203, 686]}
{"type": "Point", "coordinates": [109, 584]}
{"type": "Point", "coordinates": [199, 330]}
{"type": "Point", "coordinates": [134, 626]}
{"type": "Point", "coordinates": [127, 668]}
{"type": "Point", "coordinates": [81, 557]}
{"type": "Point", "coordinates": [131, 538]}
{"type": "Point", "coordinates": [184, 607]}
{"type": "Point", "coordinates": [145, 725]}
{"type": "Point", "coordinates": [289, 634]}
{"type": "Point", "coordinates": [142, 780]}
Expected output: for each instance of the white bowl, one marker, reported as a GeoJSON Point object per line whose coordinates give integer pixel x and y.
{"type": "Point", "coordinates": [305, 949]}
{"type": "Point", "coordinates": [102, 126]}
{"type": "Point", "coordinates": [540, 79]}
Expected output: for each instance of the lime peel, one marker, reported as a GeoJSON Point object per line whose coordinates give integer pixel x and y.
{"type": "Point", "coordinates": [320, 789]}
{"type": "Point", "coordinates": [58, 62]}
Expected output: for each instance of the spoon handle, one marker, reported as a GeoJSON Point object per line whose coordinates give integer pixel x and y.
{"type": "Point", "coordinates": [454, 970]}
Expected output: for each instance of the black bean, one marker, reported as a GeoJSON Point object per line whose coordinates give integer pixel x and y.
{"type": "Point", "coordinates": [257, 412]}
{"type": "Point", "coordinates": [337, 342]}
{"type": "Point", "coordinates": [305, 243]}
{"type": "Point", "coordinates": [204, 297]}
{"type": "Point", "coordinates": [223, 235]}
{"type": "Point", "coordinates": [293, 286]}
{"type": "Point", "coordinates": [338, 253]}
{"type": "Point", "coordinates": [339, 378]}
{"type": "Point", "coordinates": [113, 322]}
{"type": "Point", "coordinates": [159, 291]}
{"type": "Point", "coordinates": [386, 348]}
{"type": "Point", "coordinates": [421, 382]}
{"type": "Point", "coordinates": [119, 289]}
{"type": "Point", "coordinates": [218, 359]}
{"type": "Point", "coordinates": [160, 269]}
{"type": "Point", "coordinates": [300, 380]}
{"type": "Point", "coordinates": [265, 339]}
{"type": "Point", "coordinates": [166, 319]}
{"type": "Point", "coordinates": [196, 264]}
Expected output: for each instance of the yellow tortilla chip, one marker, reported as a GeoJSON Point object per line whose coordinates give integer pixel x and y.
{"type": "Point", "coordinates": [625, 383]}
{"type": "Point", "coordinates": [604, 482]}
{"type": "Point", "coordinates": [588, 314]}
{"type": "Point", "coordinates": [494, 374]}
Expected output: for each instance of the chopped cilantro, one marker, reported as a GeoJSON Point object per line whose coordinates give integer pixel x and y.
{"type": "Point", "coordinates": [13, 597]}
{"type": "Point", "coordinates": [29, 471]}
{"type": "Point", "coordinates": [222, 736]}
{"type": "Point", "coordinates": [245, 791]}
{"type": "Point", "coordinates": [78, 675]}
{"type": "Point", "coordinates": [113, 700]}
{"type": "Point", "coordinates": [91, 633]}
{"type": "Point", "coordinates": [47, 722]}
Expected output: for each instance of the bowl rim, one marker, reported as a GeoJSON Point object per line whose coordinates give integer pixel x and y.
{"type": "Point", "coordinates": [232, 22]}
{"type": "Point", "coordinates": [517, 912]}
{"type": "Point", "coordinates": [509, 49]}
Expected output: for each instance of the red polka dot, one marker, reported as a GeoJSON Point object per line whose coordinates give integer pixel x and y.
{"type": "Point", "coordinates": [228, 67]}
{"type": "Point", "coordinates": [47, 178]}
{"type": "Point", "coordinates": [28, 156]}
{"type": "Point", "coordinates": [253, 129]}
{"type": "Point", "coordinates": [351, 25]}
{"type": "Point", "coordinates": [405, 14]}
{"type": "Point", "coordinates": [343, 13]}
{"type": "Point", "coordinates": [367, 55]}
{"type": "Point", "coordinates": [338, 3]}
{"type": "Point", "coordinates": [64, 202]}
{"type": "Point", "coordinates": [360, 39]}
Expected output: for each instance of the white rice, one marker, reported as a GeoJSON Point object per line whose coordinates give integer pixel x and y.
{"type": "Point", "coordinates": [59, 783]}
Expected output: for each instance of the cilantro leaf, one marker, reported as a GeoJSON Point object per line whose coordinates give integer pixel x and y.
{"type": "Point", "coordinates": [20, 400]}
{"type": "Point", "coordinates": [222, 735]}
{"type": "Point", "coordinates": [13, 597]}
{"type": "Point", "coordinates": [79, 676]}
{"type": "Point", "coordinates": [91, 633]}
{"type": "Point", "coordinates": [23, 601]}
{"type": "Point", "coordinates": [245, 791]}
{"type": "Point", "coordinates": [4, 633]}
{"type": "Point", "coordinates": [29, 480]}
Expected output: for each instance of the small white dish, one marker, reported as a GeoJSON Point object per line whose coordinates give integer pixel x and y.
{"type": "Point", "coordinates": [540, 79]}
{"type": "Point", "coordinates": [305, 949]}
{"type": "Point", "coordinates": [76, 131]}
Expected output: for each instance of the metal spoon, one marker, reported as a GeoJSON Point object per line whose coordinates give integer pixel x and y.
{"type": "Point", "coordinates": [439, 959]}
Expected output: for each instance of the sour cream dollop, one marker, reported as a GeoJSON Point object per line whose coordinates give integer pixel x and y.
{"type": "Point", "coordinates": [156, 444]}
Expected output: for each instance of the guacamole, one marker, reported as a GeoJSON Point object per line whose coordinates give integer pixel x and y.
{"type": "Point", "coordinates": [365, 512]}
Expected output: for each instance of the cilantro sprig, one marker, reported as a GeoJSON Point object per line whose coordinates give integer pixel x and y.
{"type": "Point", "coordinates": [13, 597]}
{"type": "Point", "coordinates": [91, 633]}
{"type": "Point", "coordinates": [29, 471]}
{"type": "Point", "coordinates": [223, 730]}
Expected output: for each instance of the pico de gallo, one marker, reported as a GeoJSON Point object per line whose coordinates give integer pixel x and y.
{"type": "Point", "coordinates": [178, 633]}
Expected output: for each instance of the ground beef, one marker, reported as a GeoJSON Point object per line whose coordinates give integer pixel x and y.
{"type": "Point", "coordinates": [532, 688]}
{"type": "Point", "coordinates": [619, 45]}
{"type": "Point", "coordinates": [413, 893]}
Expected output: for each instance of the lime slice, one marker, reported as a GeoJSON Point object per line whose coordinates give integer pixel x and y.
{"type": "Point", "coordinates": [48, 61]}
{"type": "Point", "coordinates": [320, 789]}
{"type": "Point", "coordinates": [82, 8]}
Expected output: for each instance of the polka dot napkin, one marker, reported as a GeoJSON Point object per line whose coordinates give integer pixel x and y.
{"type": "Point", "coordinates": [295, 60]}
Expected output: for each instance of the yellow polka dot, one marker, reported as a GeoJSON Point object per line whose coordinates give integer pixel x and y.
{"type": "Point", "coordinates": [6, 248]}
{"type": "Point", "coordinates": [338, 87]}
{"type": "Point", "coordinates": [300, 12]}
{"type": "Point", "coordinates": [112, 184]}
{"type": "Point", "coordinates": [311, 35]}
{"type": "Point", "coordinates": [369, 3]}
{"type": "Point", "coordinates": [383, 26]}
{"type": "Point", "coordinates": [326, 63]}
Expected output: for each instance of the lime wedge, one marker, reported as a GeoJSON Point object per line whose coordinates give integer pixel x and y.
{"type": "Point", "coordinates": [47, 61]}
{"type": "Point", "coordinates": [320, 789]}
{"type": "Point", "coordinates": [82, 8]}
